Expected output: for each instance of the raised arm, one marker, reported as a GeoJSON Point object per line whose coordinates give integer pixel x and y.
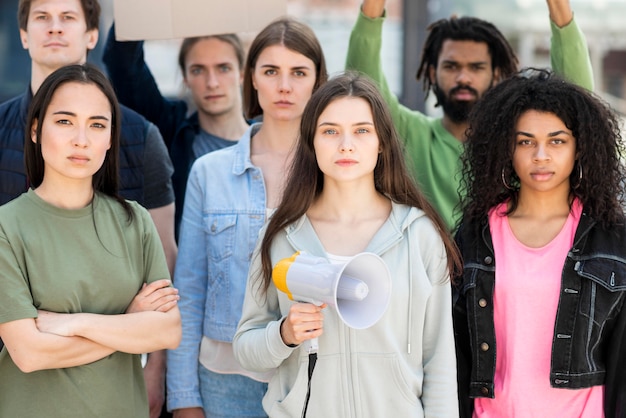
{"type": "Point", "coordinates": [569, 54]}
{"type": "Point", "coordinates": [136, 87]}
{"type": "Point", "coordinates": [364, 55]}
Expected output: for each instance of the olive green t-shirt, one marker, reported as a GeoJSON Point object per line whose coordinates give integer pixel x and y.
{"type": "Point", "coordinates": [68, 261]}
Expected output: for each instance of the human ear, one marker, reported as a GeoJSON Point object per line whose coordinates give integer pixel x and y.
{"type": "Point", "coordinates": [92, 38]}
{"type": "Point", "coordinates": [24, 38]}
{"type": "Point", "coordinates": [432, 74]}
{"type": "Point", "coordinates": [33, 131]}
{"type": "Point", "coordinates": [496, 76]}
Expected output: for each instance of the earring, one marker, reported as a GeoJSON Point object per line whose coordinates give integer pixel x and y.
{"type": "Point", "coordinates": [580, 176]}
{"type": "Point", "coordinates": [504, 181]}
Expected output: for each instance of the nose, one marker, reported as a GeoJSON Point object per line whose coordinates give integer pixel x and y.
{"type": "Point", "coordinates": [463, 77]}
{"type": "Point", "coordinates": [346, 144]}
{"type": "Point", "coordinates": [80, 139]}
{"type": "Point", "coordinates": [211, 79]}
{"type": "Point", "coordinates": [284, 84]}
{"type": "Point", "coordinates": [55, 26]}
{"type": "Point", "coordinates": [541, 153]}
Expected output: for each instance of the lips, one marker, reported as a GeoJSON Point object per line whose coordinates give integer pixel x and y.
{"type": "Point", "coordinates": [55, 44]}
{"type": "Point", "coordinates": [346, 162]}
{"type": "Point", "coordinates": [542, 175]}
{"type": "Point", "coordinates": [78, 159]}
{"type": "Point", "coordinates": [464, 93]}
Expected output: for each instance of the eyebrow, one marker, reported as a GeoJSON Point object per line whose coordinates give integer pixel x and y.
{"type": "Point", "coordinates": [65, 112]}
{"type": "Point", "coordinates": [551, 134]}
{"type": "Point", "coordinates": [336, 124]}
{"type": "Point", "coordinates": [301, 67]}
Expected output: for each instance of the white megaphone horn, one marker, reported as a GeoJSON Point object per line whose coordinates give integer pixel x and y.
{"type": "Point", "coordinates": [359, 290]}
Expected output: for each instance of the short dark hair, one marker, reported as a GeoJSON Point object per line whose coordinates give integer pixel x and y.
{"type": "Point", "coordinates": [295, 36]}
{"type": "Point", "coordinates": [502, 55]}
{"type": "Point", "coordinates": [91, 9]}
{"type": "Point", "coordinates": [106, 179]}
{"type": "Point", "coordinates": [230, 38]}
{"type": "Point", "coordinates": [487, 160]}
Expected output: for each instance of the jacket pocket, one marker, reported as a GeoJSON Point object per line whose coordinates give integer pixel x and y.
{"type": "Point", "coordinates": [220, 235]}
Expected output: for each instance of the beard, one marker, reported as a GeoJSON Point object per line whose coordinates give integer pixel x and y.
{"type": "Point", "coordinates": [457, 111]}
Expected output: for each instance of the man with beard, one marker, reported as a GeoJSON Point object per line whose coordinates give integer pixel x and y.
{"type": "Point", "coordinates": [461, 59]}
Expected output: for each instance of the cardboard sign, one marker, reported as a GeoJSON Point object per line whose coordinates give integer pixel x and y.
{"type": "Point", "coordinates": [168, 19]}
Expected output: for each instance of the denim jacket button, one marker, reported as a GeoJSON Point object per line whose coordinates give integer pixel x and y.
{"type": "Point", "coordinates": [484, 390]}
{"type": "Point", "coordinates": [488, 260]}
{"type": "Point", "coordinates": [484, 346]}
{"type": "Point", "coordinates": [482, 302]}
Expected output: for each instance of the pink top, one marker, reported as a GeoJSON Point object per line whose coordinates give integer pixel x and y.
{"type": "Point", "coordinates": [528, 284]}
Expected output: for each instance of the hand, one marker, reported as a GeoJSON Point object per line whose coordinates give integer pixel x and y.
{"type": "Point", "coordinates": [560, 12]}
{"type": "Point", "coordinates": [154, 376]}
{"type": "Point", "coordinates": [188, 413]}
{"type": "Point", "coordinates": [304, 321]}
{"type": "Point", "coordinates": [156, 296]}
{"type": "Point", "coordinates": [54, 323]}
{"type": "Point", "coordinates": [373, 8]}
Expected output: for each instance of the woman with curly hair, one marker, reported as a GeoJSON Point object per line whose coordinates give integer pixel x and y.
{"type": "Point", "coordinates": [539, 310]}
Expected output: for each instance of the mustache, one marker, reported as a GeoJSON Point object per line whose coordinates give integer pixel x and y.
{"type": "Point", "coordinates": [463, 88]}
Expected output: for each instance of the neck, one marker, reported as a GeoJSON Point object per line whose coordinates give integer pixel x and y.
{"type": "Point", "coordinates": [231, 125]}
{"type": "Point", "coordinates": [70, 195]}
{"type": "Point", "coordinates": [40, 72]}
{"type": "Point", "coordinates": [276, 136]}
{"type": "Point", "coordinates": [38, 75]}
{"type": "Point", "coordinates": [455, 128]}
{"type": "Point", "coordinates": [543, 205]}
{"type": "Point", "coordinates": [349, 201]}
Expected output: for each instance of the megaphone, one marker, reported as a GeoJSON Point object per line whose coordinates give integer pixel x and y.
{"type": "Point", "coordinates": [358, 290]}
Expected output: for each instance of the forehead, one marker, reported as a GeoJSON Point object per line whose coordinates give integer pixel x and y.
{"type": "Point", "coordinates": [347, 110]}
{"type": "Point", "coordinates": [79, 98]}
{"type": "Point", "coordinates": [56, 6]}
{"type": "Point", "coordinates": [281, 56]}
{"type": "Point", "coordinates": [464, 51]}
{"type": "Point", "coordinates": [535, 120]}
{"type": "Point", "coordinates": [211, 50]}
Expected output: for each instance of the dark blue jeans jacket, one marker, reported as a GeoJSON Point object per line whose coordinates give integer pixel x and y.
{"type": "Point", "coordinates": [589, 342]}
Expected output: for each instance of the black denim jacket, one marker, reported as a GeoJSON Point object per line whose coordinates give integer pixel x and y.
{"type": "Point", "coordinates": [589, 342]}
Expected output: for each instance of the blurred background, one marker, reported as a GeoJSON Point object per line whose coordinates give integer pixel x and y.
{"type": "Point", "coordinates": [524, 22]}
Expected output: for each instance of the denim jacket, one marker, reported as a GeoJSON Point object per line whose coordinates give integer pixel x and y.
{"type": "Point", "coordinates": [224, 210]}
{"type": "Point", "coordinates": [589, 343]}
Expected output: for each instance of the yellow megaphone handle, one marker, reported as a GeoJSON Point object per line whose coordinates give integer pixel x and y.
{"type": "Point", "coordinates": [279, 274]}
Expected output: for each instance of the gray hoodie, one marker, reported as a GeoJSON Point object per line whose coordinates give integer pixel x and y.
{"type": "Point", "coordinates": [403, 366]}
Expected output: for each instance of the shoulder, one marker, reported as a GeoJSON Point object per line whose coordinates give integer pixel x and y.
{"type": "Point", "coordinates": [132, 118]}
{"type": "Point", "coordinates": [11, 106]}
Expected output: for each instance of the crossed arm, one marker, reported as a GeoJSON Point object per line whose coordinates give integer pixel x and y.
{"type": "Point", "coordinates": [53, 340]}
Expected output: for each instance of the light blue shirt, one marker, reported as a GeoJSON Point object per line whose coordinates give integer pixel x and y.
{"type": "Point", "coordinates": [225, 207]}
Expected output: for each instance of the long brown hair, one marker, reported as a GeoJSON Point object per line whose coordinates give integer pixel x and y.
{"type": "Point", "coordinates": [293, 35]}
{"type": "Point", "coordinates": [306, 180]}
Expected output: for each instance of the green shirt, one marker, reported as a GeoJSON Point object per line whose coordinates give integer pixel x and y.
{"type": "Point", "coordinates": [433, 153]}
{"type": "Point", "coordinates": [68, 261]}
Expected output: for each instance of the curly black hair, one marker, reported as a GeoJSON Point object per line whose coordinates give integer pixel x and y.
{"type": "Point", "coordinates": [487, 159]}
{"type": "Point", "coordinates": [466, 29]}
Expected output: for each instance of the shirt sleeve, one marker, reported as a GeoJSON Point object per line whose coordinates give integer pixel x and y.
{"type": "Point", "coordinates": [569, 55]}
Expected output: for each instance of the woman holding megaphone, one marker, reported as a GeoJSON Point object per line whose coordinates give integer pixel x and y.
{"type": "Point", "coordinates": [349, 192]}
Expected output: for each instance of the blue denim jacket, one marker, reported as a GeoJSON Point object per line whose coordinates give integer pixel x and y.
{"type": "Point", "coordinates": [224, 210]}
{"type": "Point", "coordinates": [589, 343]}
